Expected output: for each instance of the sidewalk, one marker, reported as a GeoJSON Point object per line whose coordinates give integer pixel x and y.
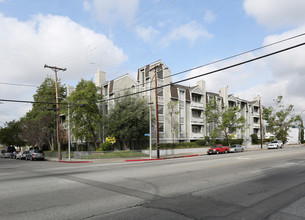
{"type": "Point", "coordinates": [118, 160]}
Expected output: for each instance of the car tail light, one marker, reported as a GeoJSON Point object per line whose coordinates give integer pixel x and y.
{"type": "Point", "coordinates": [33, 154]}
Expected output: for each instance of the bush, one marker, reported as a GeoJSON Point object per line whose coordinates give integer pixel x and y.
{"type": "Point", "coordinates": [254, 139]}
{"type": "Point", "coordinates": [106, 146]}
{"type": "Point", "coordinates": [201, 142]}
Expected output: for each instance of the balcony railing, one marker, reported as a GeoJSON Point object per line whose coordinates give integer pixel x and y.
{"type": "Point", "coordinates": [196, 135]}
{"type": "Point", "coordinates": [197, 120]}
{"type": "Point", "coordinates": [197, 105]}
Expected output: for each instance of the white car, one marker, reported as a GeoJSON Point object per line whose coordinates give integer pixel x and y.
{"type": "Point", "coordinates": [275, 145]}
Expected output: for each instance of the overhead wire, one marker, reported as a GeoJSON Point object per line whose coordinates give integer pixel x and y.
{"type": "Point", "coordinates": [207, 73]}
{"type": "Point", "coordinates": [194, 68]}
{"type": "Point", "coordinates": [220, 60]}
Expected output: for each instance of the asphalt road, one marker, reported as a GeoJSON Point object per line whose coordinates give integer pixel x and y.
{"type": "Point", "coordinates": [263, 184]}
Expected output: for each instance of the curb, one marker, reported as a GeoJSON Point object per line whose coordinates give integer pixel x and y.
{"type": "Point", "coordinates": [63, 161]}
{"type": "Point", "coordinates": [136, 160]}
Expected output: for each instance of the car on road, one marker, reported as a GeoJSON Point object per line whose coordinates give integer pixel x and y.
{"type": "Point", "coordinates": [275, 145]}
{"type": "Point", "coordinates": [218, 148]}
{"type": "Point", "coordinates": [236, 148]}
{"type": "Point", "coordinates": [35, 154]}
{"type": "Point", "coordinates": [21, 154]}
{"type": "Point", "coordinates": [7, 152]}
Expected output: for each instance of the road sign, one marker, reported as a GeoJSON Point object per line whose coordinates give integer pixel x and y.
{"type": "Point", "coordinates": [111, 140]}
{"type": "Point", "coordinates": [147, 135]}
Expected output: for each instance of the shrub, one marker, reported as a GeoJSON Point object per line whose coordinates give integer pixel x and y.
{"type": "Point", "coordinates": [106, 146]}
{"type": "Point", "coordinates": [201, 142]}
{"type": "Point", "coordinates": [254, 139]}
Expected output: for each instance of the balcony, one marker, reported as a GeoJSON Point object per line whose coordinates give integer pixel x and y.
{"type": "Point", "coordinates": [256, 125]}
{"type": "Point", "coordinates": [255, 114]}
{"type": "Point", "coordinates": [196, 135]}
{"type": "Point", "coordinates": [197, 120]}
{"type": "Point", "coordinates": [197, 105]}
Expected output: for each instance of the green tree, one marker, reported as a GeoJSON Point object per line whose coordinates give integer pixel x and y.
{"type": "Point", "coordinates": [174, 125]}
{"type": "Point", "coordinates": [10, 135]}
{"type": "Point", "coordinates": [279, 119]}
{"type": "Point", "coordinates": [43, 111]}
{"type": "Point", "coordinates": [85, 116]}
{"type": "Point", "coordinates": [226, 122]}
{"type": "Point", "coordinates": [128, 120]}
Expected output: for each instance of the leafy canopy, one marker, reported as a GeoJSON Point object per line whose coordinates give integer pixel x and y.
{"type": "Point", "coordinates": [129, 119]}
{"type": "Point", "coordinates": [85, 115]}
{"type": "Point", "coordinates": [279, 119]}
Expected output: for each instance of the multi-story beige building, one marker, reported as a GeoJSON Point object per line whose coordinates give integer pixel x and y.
{"type": "Point", "coordinates": [180, 108]}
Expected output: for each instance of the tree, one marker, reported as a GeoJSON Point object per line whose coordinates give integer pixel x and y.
{"type": "Point", "coordinates": [230, 122]}
{"type": "Point", "coordinates": [279, 119]}
{"type": "Point", "coordinates": [85, 115]}
{"type": "Point", "coordinates": [128, 120]}
{"type": "Point", "coordinates": [174, 125]}
{"type": "Point", "coordinates": [37, 132]}
{"type": "Point", "coordinates": [10, 135]}
{"type": "Point", "coordinates": [43, 111]}
{"type": "Point", "coordinates": [225, 122]}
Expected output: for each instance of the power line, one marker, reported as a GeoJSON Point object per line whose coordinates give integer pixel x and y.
{"type": "Point", "coordinates": [190, 78]}
{"type": "Point", "coordinates": [209, 73]}
{"type": "Point", "coordinates": [224, 59]}
{"type": "Point", "coordinates": [18, 84]}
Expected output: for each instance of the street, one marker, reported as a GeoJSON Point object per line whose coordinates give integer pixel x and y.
{"type": "Point", "coordinates": [260, 184]}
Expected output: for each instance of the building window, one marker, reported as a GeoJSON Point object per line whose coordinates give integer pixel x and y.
{"type": "Point", "coordinates": [196, 129]}
{"type": "Point", "coordinates": [133, 89]}
{"type": "Point", "coordinates": [161, 127]}
{"type": "Point", "coordinates": [181, 128]}
{"type": "Point", "coordinates": [160, 92]}
{"type": "Point", "coordinates": [160, 109]}
{"type": "Point", "coordinates": [105, 92]}
{"type": "Point", "coordinates": [143, 76]}
{"type": "Point", "coordinates": [160, 72]}
{"type": "Point", "coordinates": [196, 98]}
{"type": "Point", "coordinates": [196, 114]}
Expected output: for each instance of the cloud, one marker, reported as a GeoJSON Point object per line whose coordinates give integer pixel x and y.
{"type": "Point", "coordinates": [276, 13]}
{"type": "Point", "coordinates": [209, 17]}
{"type": "Point", "coordinates": [110, 12]}
{"type": "Point", "coordinates": [86, 5]}
{"type": "Point", "coordinates": [146, 33]}
{"type": "Point", "coordinates": [53, 40]}
{"type": "Point", "coordinates": [190, 32]}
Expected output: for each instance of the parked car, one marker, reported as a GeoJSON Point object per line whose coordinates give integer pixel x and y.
{"type": "Point", "coordinates": [35, 155]}
{"type": "Point", "coordinates": [7, 152]}
{"type": "Point", "coordinates": [275, 145]}
{"type": "Point", "coordinates": [218, 148]}
{"type": "Point", "coordinates": [21, 154]}
{"type": "Point", "coordinates": [15, 154]}
{"type": "Point", "coordinates": [236, 148]}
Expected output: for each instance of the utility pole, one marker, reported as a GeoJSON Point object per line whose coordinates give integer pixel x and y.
{"type": "Point", "coordinates": [260, 122]}
{"type": "Point", "coordinates": [157, 114]}
{"type": "Point", "coordinates": [55, 69]}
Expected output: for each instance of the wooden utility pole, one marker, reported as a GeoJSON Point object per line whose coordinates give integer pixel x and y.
{"type": "Point", "coordinates": [55, 69]}
{"type": "Point", "coordinates": [260, 122]}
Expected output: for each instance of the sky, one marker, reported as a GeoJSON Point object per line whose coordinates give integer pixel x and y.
{"type": "Point", "coordinates": [119, 36]}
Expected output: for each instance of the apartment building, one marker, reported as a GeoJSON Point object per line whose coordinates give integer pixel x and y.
{"type": "Point", "coordinates": [181, 109]}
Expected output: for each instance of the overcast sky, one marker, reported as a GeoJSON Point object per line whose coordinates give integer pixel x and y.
{"type": "Point", "coordinates": [120, 36]}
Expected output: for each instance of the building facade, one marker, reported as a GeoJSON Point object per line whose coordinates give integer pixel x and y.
{"type": "Point", "coordinates": [180, 109]}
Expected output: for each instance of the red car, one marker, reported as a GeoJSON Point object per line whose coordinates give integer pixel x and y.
{"type": "Point", "coordinates": [218, 148]}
